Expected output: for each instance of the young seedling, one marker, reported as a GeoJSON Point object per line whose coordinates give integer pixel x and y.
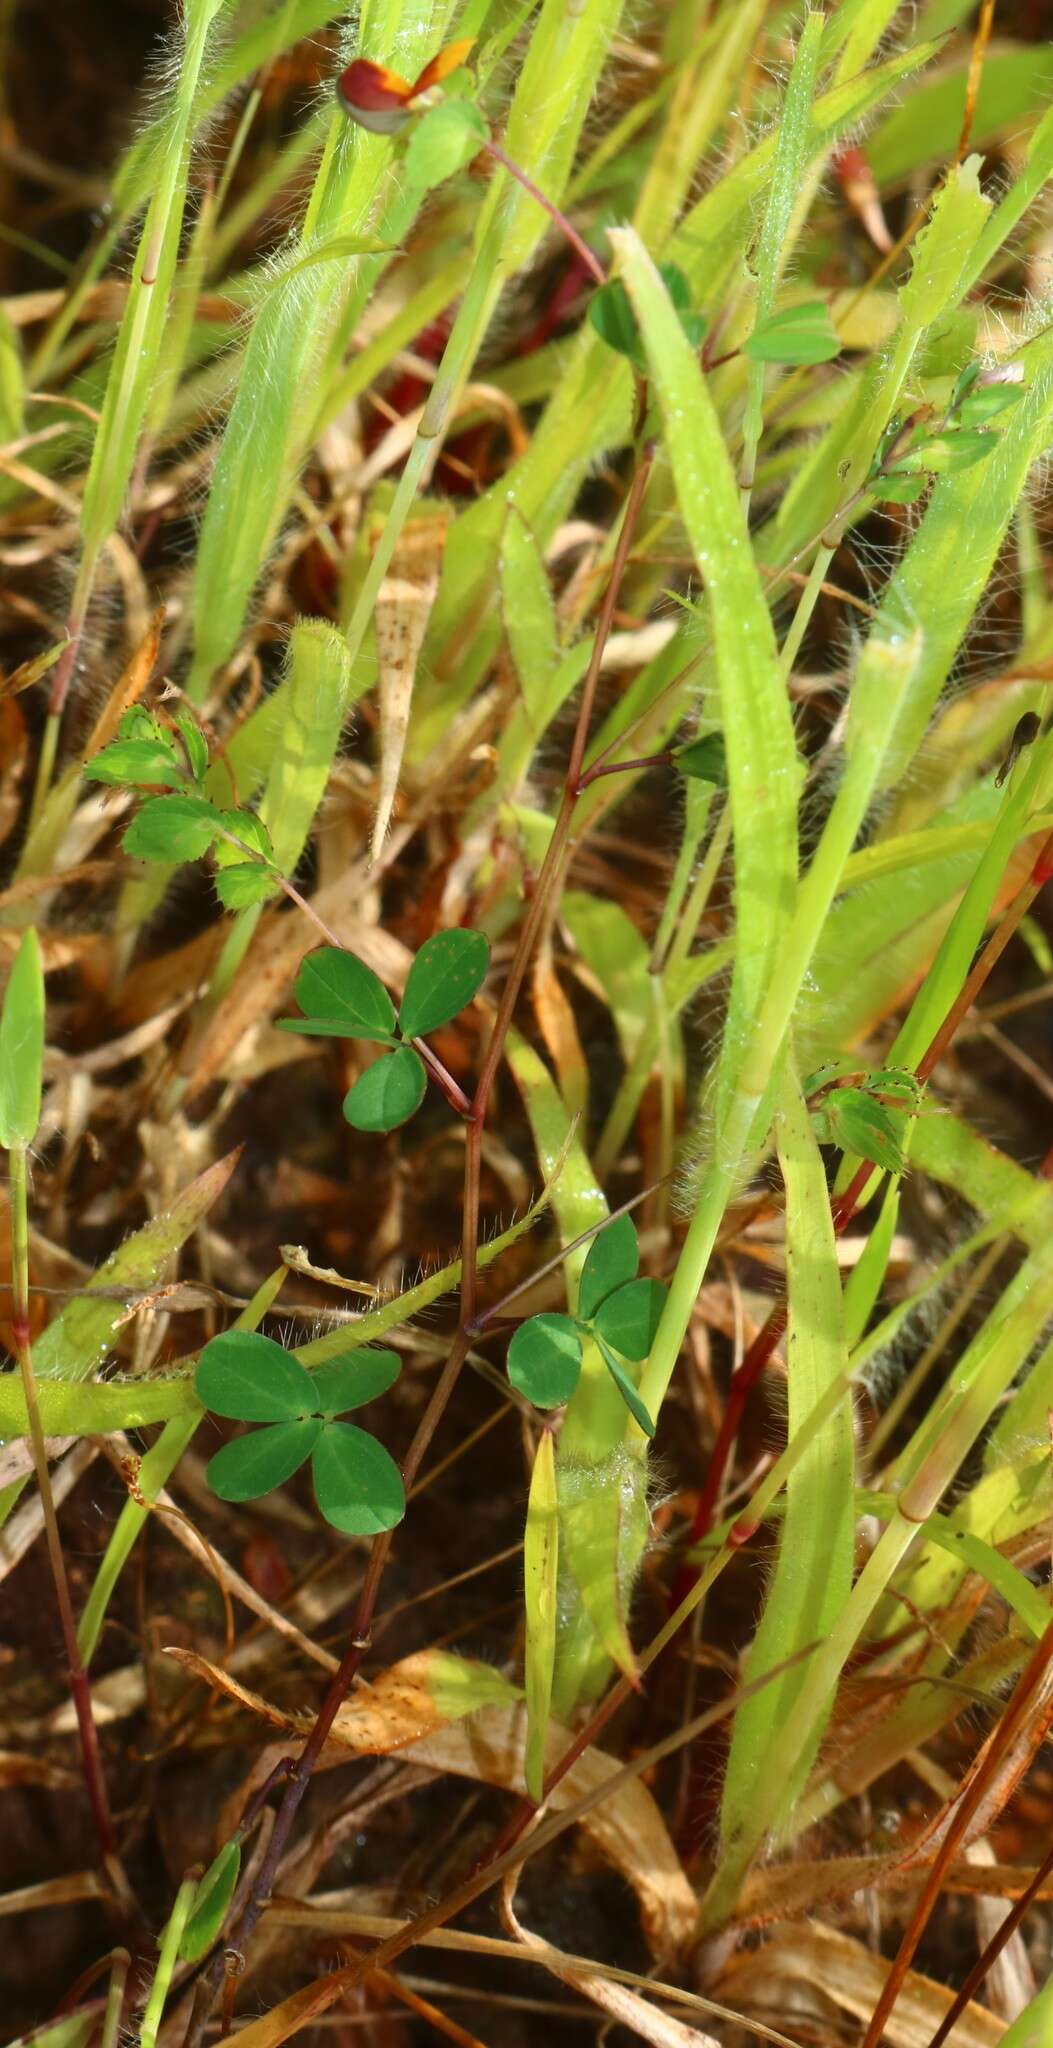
{"type": "Point", "coordinates": [249, 1378]}
{"type": "Point", "coordinates": [619, 1311]}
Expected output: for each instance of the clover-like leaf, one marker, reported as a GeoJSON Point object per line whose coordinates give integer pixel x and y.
{"type": "Point", "coordinates": [256, 1463]}
{"type": "Point", "coordinates": [211, 1904]}
{"type": "Point", "coordinates": [629, 1317]}
{"type": "Point", "coordinates": [704, 759]}
{"type": "Point", "coordinates": [357, 1485]}
{"type": "Point", "coordinates": [249, 830]}
{"type": "Point", "coordinates": [799, 334]}
{"type": "Point", "coordinates": [352, 1380]}
{"type": "Point", "coordinates": [252, 1379]}
{"type": "Point", "coordinates": [243, 884]}
{"type": "Point", "coordinates": [388, 1092]}
{"type": "Point", "coordinates": [612, 316]}
{"type": "Point", "coordinates": [172, 828]}
{"type": "Point", "coordinates": [138, 762]}
{"type": "Point", "coordinates": [613, 1258]}
{"type": "Point", "coordinates": [544, 1359]}
{"type": "Point", "coordinates": [445, 975]}
{"type": "Point", "coordinates": [342, 998]}
{"type": "Point", "coordinates": [626, 1389]}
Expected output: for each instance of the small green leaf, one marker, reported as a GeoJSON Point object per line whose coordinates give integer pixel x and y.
{"type": "Point", "coordinates": [22, 1045]}
{"type": "Point", "coordinates": [613, 1257]}
{"type": "Point", "coordinates": [630, 1316]}
{"type": "Point", "coordinates": [335, 988]}
{"type": "Point", "coordinates": [987, 402]}
{"type": "Point", "coordinates": [251, 1379]}
{"type": "Point", "coordinates": [612, 316]}
{"type": "Point", "coordinates": [540, 1573]}
{"type": "Point", "coordinates": [899, 490]}
{"type": "Point", "coordinates": [544, 1360]}
{"type": "Point", "coordinates": [799, 334]}
{"type": "Point", "coordinates": [197, 756]}
{"type": "Point", "coordinates": [144, 761]}
{"type": "Point", "coordinates": [211, 1904]}
{"type": "Point", "coordinates": [354, 1379]}
{"type": "Point", "coordinates": [851, 1119]}
{"type": "Point", "coordinates": [626, 1389]}
{"type": "Point", "coordinates": [243, 884]}
{"type": "Point", "coordinates": [945, 454]}
{"type": "Point", "coordinates": [137, 723]}
{"type": "Point", "coordinates": [443, 141]}
{"type": "Point", "coordinates": [249, 830]}
{"type": "Point", "coordinates": [444, 977]}
{"type": "Point", "coordinates": [704, 759]}
{"type": "Point", "coordinates": [388, 1092]}
{"type": "Point", "coordinates": [266, 1458]}
{"type": "Point", "coordinates": [356, 1484]}
{"type": "Point", "coordinates": [172, 828]}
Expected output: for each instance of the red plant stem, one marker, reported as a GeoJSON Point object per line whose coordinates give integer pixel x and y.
{"type": "Point", "coordinates": [989, 1956]}
{"type": "Point", "coordinates": [580, 248]}
{"type": "Point", "coordinates": [302, 1767]}
{"type": "Point", "coordinates": [1010, 1725]}
{"type": "Point", "coordinates": [593, 774]}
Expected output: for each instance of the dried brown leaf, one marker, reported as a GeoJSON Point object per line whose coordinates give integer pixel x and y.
{"type": "Point", "coordinates": [400, 617]}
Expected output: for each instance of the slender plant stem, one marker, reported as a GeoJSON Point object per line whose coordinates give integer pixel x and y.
{"type": "Point", "coordinates": [94, 1779]}
{"type": "Point", "coordinates": [566, 227]}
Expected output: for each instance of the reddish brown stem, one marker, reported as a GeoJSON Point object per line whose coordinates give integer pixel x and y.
{"type": "Point", "coordinates": [581, 249]}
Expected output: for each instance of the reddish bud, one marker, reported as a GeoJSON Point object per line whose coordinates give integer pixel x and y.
{"type": "Point", "coordinates": [374, 97]}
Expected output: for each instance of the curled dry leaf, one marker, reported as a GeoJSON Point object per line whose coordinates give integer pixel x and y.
{"type": "Point", "coordinates": [622, 2005]}
{"type": "Point", "coordinates": [852, 1977]}
{"type": "Point", "coordinates": [400, 616]}
{"type": "Point", "coordinates": [434, 1706]}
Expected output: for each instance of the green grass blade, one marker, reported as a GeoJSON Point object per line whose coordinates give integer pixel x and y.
{"type": "Point", "coordinates": [540, 1568]}
{"type": "Point", "coordinates": [792, 152]}
{"type": "Point", "coordinates": [813, 1569]}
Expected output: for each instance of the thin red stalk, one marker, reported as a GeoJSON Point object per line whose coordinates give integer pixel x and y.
{"type": "Point", "coordinates": [989, 1956]}
{"type": "Point", "coordinates": [1008, 1728]}
{"type": "Point", "coordinates": [593, 774]}
{"type": "Point", "coordinates": [566, 228]}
